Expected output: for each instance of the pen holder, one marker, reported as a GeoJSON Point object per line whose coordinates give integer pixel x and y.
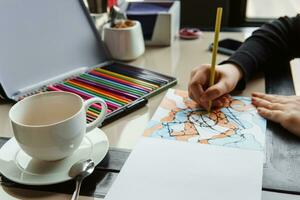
{"type": "Point", "coordinates": [124, 43]}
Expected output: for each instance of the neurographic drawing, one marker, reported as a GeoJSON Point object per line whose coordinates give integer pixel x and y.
{"type": "Point", "coordinates": [236, 125]}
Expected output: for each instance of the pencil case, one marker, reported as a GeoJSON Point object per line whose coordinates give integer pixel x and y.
{"type": "Point", "coordinates": [64, 52]}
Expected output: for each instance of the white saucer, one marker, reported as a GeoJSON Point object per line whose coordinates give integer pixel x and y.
{"type": "Point", "coordinates": [19, 167]}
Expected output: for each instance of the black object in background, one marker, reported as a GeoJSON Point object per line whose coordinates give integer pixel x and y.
{"type": "Point", "coordinates": [234, 13]}
{"type": "Point", "coordinates": [97, 6]}
{"type": "Point", "coordinates": [227, 46]}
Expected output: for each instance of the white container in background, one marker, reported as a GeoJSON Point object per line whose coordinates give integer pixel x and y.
{"type": "Point", "coordinates": [124, 43]}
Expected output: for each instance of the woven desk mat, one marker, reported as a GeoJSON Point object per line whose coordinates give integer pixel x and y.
{"type": "Point", "coordinates": [95, 185]}
{"type": "Point", "coordinates": [281, 171]}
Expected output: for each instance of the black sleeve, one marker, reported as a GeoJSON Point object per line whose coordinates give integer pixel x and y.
{"type": "Point", "coordinates": [272, 43]}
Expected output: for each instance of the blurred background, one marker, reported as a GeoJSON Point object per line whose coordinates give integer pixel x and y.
{"type": "Point", "coordinates": [264, 9]}
{"type": "Point", "coordinates": [237, 13]}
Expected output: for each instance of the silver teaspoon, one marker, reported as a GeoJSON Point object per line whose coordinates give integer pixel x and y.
{"type": "Point", "coordinates": [79, 171]}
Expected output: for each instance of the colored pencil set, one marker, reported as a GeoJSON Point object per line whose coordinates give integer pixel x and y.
{"type": "Point", "coordinates": [119, 85]}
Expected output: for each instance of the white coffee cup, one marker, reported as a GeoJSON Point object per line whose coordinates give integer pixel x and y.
{"type": "Point", "coordinates": [51, 125]}
{"type": "Point", "coordinates": [124, 43]}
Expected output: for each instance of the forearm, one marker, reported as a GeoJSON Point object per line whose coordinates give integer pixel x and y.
{"type": "Point", "coordinates": [272, 43]}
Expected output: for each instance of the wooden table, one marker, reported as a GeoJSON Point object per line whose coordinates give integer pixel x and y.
{"type": "Point", "coordinates": [177, 60]}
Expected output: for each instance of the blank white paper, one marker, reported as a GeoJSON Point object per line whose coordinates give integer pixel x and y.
{"type": "Point", "coordinates": [164, 169]}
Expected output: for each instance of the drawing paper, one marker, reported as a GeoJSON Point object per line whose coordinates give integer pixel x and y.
{"type": "Point", "coordinates": [175, 170]}
{"type": "Point", "coordinates": [187, 153]}
{"type": "Point", "coordinates": [236, 125]}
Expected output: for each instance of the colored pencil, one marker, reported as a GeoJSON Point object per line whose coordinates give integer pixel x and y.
{"type": "Point", "coordinates": [214, 52]}
{"type": "Point", "coordinates": [113, 84]}
{"type": "Point", "coordinates": [108, 99]}
{"type": "Point", "coordinates": [95, 106]}
{"type": "Point", "coordinates": [137, 75]}
{"type": "Point", "coordinates": [106, 80]}
{"type": "Point", "coordinates": [117, 85]}
{"type": "Point", "coordinates": [133, 80]}
{"type": "Point", "coordinates": [121, 81]}
{"type": "Point", "coordinates": [98, 90]}
{"type": "Point", "coordinates": [119, 92]}
{"type": "Point", "coordinates": [85, 95]}
{"type": "Point", "coordinates": [138, 71]}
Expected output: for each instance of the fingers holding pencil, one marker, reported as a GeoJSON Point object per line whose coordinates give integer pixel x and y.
{"type": "Point", "coordinates": [215, 50]}
{"type": "Point", "coordinates": [198, 82]}
{"type": "Point", "coordinates": [227, 77]}
{"type": "Point", "coordinates": [195, 89]}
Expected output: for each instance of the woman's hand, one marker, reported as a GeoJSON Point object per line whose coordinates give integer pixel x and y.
{"type": "Point", "coordinates": [226, 79]}
{"type": "Point", "coordinates": [281, 109]}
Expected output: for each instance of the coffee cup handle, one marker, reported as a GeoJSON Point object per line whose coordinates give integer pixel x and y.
{"type": "Point", "coordinates": [98, 121]}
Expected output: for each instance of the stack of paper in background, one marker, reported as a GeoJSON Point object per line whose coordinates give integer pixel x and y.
{"type": "Point", "coordinates": [186, 153]}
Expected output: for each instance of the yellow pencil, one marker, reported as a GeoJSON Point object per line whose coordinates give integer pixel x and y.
{"type": "Point", "coordinates": [214, 51]}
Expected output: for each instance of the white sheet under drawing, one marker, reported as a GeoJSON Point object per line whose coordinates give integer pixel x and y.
{"type": "Point", "coordinates": [163, 169]}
